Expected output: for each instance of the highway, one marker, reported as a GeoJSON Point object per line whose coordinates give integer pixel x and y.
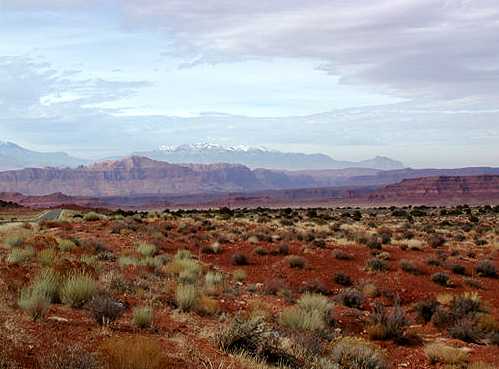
{"type": "Point", "coordinates": [52, 214]}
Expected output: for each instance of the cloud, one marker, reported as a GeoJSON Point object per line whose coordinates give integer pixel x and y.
{"type": "Point", "coordinates": [28, 87]}
{"type": "Point", "coordinates": [409, 48]}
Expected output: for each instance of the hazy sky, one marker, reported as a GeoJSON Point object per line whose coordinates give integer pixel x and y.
{"type": "Point", "coordinates": [416, 80]}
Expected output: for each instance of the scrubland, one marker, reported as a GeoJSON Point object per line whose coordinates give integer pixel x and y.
{"type": "Point", "coordinates": [412, 287]}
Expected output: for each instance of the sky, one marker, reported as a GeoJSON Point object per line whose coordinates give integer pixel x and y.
{"type": "Point", "coordinates": [415, 80]}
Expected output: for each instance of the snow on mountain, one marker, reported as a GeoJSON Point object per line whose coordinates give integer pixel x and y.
{"type": "Point", "coordinates": [258, 157]}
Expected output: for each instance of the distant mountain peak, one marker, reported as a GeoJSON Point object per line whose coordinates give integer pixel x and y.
{"type": "Point", "coordinates": [205, 146]}
{"type": "Point", "coordinates": [260, 157]}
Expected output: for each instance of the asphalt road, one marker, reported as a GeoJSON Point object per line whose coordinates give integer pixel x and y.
{"type": "Point", "coordinates": [52, 214]}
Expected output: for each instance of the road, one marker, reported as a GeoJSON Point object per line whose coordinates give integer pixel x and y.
{"type": "Point", "coordinates": [52, 214]}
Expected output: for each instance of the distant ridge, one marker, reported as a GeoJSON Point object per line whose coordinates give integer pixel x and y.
{"type": "Point", "coordinates": [206, 153]}
{"type": "Point", "coordinates": [13, 156]}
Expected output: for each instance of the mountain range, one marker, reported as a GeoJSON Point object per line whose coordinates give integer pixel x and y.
{"type": "Point", "coordinates": [205, 153]}
{"type": "Point", "coordinates": [136, 175]}
{"type": "Point", "coordinates": [13, 156]}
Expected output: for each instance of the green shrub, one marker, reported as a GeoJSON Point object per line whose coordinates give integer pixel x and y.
{"type": "Point", "coordinates": [47, 257]}
{"type": "Point", "coordinates": [239, 275]}
{"type": "Point", "coordinates": [48, 282]}
{"type": "Point", "coordinates": [66, 245]}
{"type": "Point", "coordinates": [143, 316]}
{"type": "Point", "coordinates": [183, 254]}
{"type": "Point", "coordinates": [356, 353]}
{"type": "Point", "coordinates": [34, 301]}
{"type": "Point", "coordinates": [146, 249]}
{"type": "Point", "coordinates": [92, 216]}
{"type": "Point", "coordinates": [14, 241]}
{"type": "Point", "coordinates": [77, 290]}
{"type": "Point", "coordinates": [314, 302]}
{"type": "Point", "coordinates": [18, 256]}
{"type": "Point", "coordinates": [186, 296]}
{"type": "Point", "coordinates": [440, 353]}
{"type": "Point", "coordinates": [297, 318]}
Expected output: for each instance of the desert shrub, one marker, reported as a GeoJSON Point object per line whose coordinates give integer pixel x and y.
{"type": "Point", "coordinates": [376, 264]}
{"type": "Point", "coordinates": [66, 245]}
{"type": "Point", "coordinates": [34, 301]}
{"type": "Point", "coordinates": [435, 240]}
{"type": "Point", "coordinates": [133, 353]}
{"type": "Point", "coordinates": [433, 261]}
{"type": "Point", "coordinates": [212, 279]}
{"type": "Point", "coordinates": [92, 216]}
{"type": "Point", "coordinates": [374, 243]}
{"type": "Point", "coordinates": [214, 248]}
{"type": "Point", "coordinates": [183, 254]}
{"type": "Point", "coordinates": [441, 318]}
{"type": "Point", "coordinates": [242, 334]}
{"type": "Point", "coordinates": [350, 298]}
{"type": "Point", "coordinates": [393, 324]}
{"type": "Point", "coordinates": [185, 297]}
{"type": "Point", "coordinates": [414, 245]}
{"type": "Point", "coordinates": [475, 283]}
{"type": "Point", "coordinates": [63, 356]}
{"type": "Point", "coordinates": [425, 309]}
{"type": "Point", "coordinates": [276, 286]}
{"type": "Point", "coordinates": [104, 308]}
{"type": "Point", "coordinates": [466, 304]}
{"type": "Point", "coordinates": [125, 261]}
{"type": "Point", "coordinates": [409, 267]}
{"type": "Point", "coordinates": [146, 249]}
{"type": "Point", "coordinates": [314, 302]}
{"type": "Point", "coordinates": [356, 353]}
{"type": "Point", "coordinates": [295, 261]}
{"type": "Point", "coordinates": [480, 365]}
{"type": "Point", "coordinates": [315, 286]}
{"type": "Point", "coordinates": [297, 318]}
{"type": "Point", "coordinates": [340, 255]}
{"type": "Point", "coordinates": [155, 262]}
{"type": "Point", "coordinates": [14, 241]}
{"type": "Point", "coordinates": [18, 255]}
{"type": "Point", "coordinates": [442, 279]}
{"type": "Point", "coordinates": [440, 353]}
{"type": "Point", "coordinates": [280, 249]}
{"type": "Point", "coordinates": [239, 259]}
{"type": "Point", "coordinates": [260, 251]}
{"type": "Point", "coordinates": [239, 275]}
{"type": "Point", "coordinates": [48, 282]}
{"type": "Point", "coordinates": [342, 279]}
{"type": "Point", "coordinates": [466, 330]}
{"type": "Point", "coordinates": [486, 268]}
{"type": "Point", "coordinates": [142, 316]}
{"type": "Point", "coordinates": [456, 268]}
{"type": "Point", "coordinates": [47, 257]}
{"type": "Point", "coordinates": [77, 290]}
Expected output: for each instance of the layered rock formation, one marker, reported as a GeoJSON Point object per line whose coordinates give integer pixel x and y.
{"type": "Point", "coordinates": [441, 190]}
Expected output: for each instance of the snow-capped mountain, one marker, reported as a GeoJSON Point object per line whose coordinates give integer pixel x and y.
{"type": "Point", "coordinates": [207, 153]}
{"type": "Point", "coordinates": [13, 156]}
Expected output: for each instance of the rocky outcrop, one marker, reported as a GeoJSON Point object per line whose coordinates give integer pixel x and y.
{"type": "Point", "coordinates": [441, 190]}
{"type": "Point", "coordinates": [132, 175]}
